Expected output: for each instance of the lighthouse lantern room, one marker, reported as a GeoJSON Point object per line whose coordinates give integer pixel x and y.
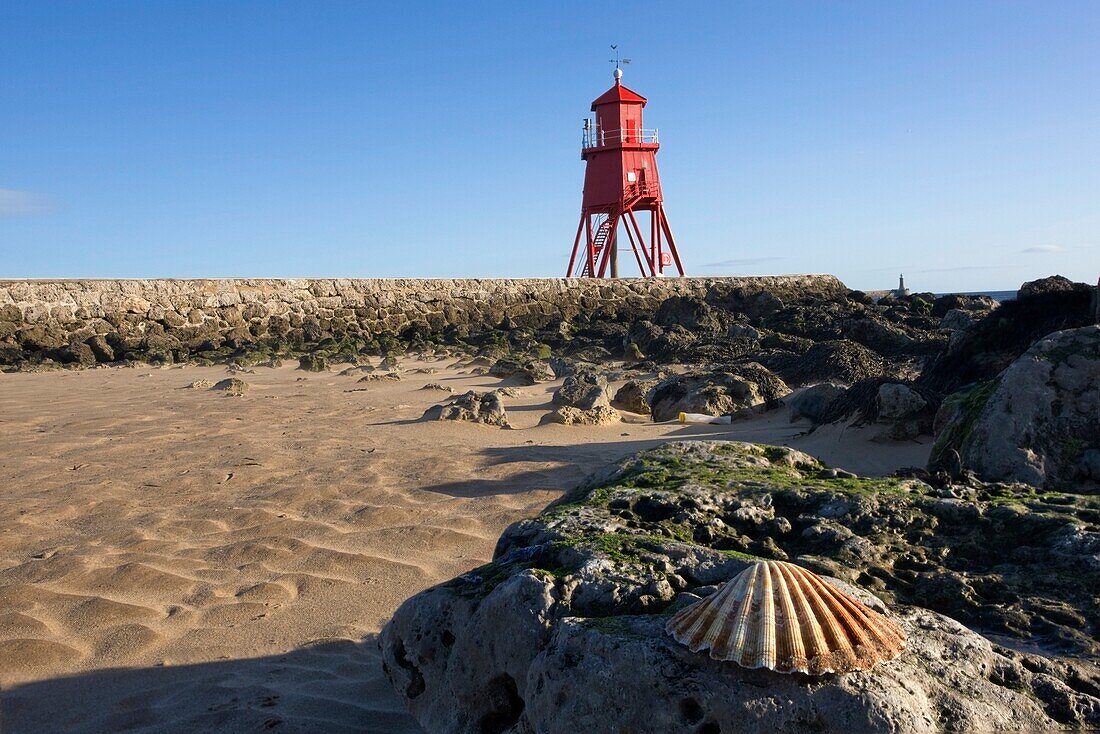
{"type": "Point", "coordinates": [620, 181]}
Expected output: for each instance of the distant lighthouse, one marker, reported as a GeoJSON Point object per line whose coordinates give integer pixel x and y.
{"type": "Point", "coordinates": [620, 179]}
{"type": "Point", "coordinates": [902, 290]}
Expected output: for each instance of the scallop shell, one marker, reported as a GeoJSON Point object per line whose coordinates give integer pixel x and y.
{"type": "Point", "coordinates": [779, 616]}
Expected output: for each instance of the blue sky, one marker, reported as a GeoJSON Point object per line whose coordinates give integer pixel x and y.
{"type": "Point", "coordinates": [957, 142]}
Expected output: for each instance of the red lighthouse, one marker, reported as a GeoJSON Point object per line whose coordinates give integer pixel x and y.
{"type": "Point", "coordinates": [620, 179]}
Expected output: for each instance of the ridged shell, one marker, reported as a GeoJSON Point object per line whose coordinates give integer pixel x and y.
{"type": "Point", "coordinates": [780, 616]}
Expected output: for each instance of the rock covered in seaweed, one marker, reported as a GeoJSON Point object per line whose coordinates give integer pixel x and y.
{"type": "Point", "coordinates": [564, 629]}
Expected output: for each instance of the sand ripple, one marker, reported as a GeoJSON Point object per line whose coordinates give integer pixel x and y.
{"type": "Point", "coordinates": [175, 559]}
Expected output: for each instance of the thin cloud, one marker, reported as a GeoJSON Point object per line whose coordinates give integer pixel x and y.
{"type": "Point", "coordinates": [22, 204]}
{"type": "Point", "coordinates": [961, 268]}
{"type": "Point", "coordinates": [744, 262]}
{"type": "Point", "coordinates": [1042, 249]}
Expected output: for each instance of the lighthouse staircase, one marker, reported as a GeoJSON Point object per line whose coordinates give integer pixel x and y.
{"type": "Point", "coordinates": [599, 241]}
{"type": "Point", "coordinates": [633, 195]}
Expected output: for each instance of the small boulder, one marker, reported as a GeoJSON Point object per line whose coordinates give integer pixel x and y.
{"type": "Point", "coordinates": [904, 410]}
{"type": "Point", "coordinates": [956, 319]}
{"type": "Point", "coordinates": [897, 401]}
{"type": "Point", "coordinates": [716, 392]}
{"type": "Point", "coordinates": [583, 389]}
{"type": "Point", "coordinates": [632, 396]}
{"type": "Point", "coordinates": [473, 407]}
{"type": "Point", "coordinates": [601, 415]}
{"type": "Point", "coordinates": [313, 363]}
{"type": "Point", "coordinates": [101, 349]}
{"type": "Point", "coordinates": [232, 386]}
{"type": "Point", "coordinates": [813, 402]}
{"type": "Point", "coordinates": [381, 376]}
{"type": "Point", "coordinates": [527, 372]}
{"type": "Point", "coordinates": [77, 353]}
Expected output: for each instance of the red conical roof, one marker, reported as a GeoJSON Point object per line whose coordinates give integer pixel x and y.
{"type": "Point", "coordinates": [618, 93]}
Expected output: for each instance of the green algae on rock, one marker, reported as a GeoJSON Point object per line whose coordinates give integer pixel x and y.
{"type": "Point", "coordinates": [581, 594]}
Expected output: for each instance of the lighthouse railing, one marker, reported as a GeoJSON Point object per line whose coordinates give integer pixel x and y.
{"type": "Point", "coordinates": [593, 138]}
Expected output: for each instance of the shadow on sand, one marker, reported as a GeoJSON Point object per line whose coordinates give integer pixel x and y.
{"type": "Point", "coordinates": [569, 464]}
{"type": "Point", "coordinates": [327, 686]}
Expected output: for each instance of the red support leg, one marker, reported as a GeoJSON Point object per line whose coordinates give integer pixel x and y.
{"type": "Point", "coordinates": [658, 244]}
{"type": "Point", "coordinates": [672, 244]}
{"type": "Point", "coordinates": [633, 244]}
{"type": "Point", "coordinates": [576, 244]}
{"type": "Point", "coordinates": [652, 242]}
{"type": "Point", "coordinates": [591, 269]}
{"type": "Point", "coordinates": [641, 243]}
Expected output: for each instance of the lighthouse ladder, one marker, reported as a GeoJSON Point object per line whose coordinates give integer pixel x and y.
{"type": "Point", "coordinates": [603, 232]}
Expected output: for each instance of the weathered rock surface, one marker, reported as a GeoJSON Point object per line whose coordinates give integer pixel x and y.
{"type": "Point", "coordinates": [813, 402]}
{"type": "Point", "coordinates": [583, 389]}
{"type": "Point", "coordinates": [378, 376]}
{"type": "Point", "coordinates": [1035, 423]}
{"type": "Point", "coordinates": [907, 413]}
{"type": "Point", "coordinates": [527, 372]}
{"type": "Point", "coordinates": [1044, 286]}
{"type": "Point", "coordinates": [982, 351]}
{"type": "Point", "coordinates": [601, 415]}
{"type": "Point", "coordinates": [313, 363]}
{"type": "Point", "coordinates": [154, 320]}
{"type": "Point", "coordinates": [473, 407]}
{"type": "Point", "coordinates": [563, 631]}
{"type": "Point", "coordinates": [716, 392]}
{"type": "Point", "coordinates": [232, 386]}
{"type": "Point", "coordinates": [633, 396]}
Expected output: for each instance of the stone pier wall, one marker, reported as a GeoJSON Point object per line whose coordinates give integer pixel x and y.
{"type": "Point", "coordinates": [88, 321]}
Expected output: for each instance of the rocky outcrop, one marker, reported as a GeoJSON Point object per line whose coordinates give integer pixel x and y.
{"type": "Point", "coordinates": [526, 372]}
{"type": "Point", "coordinates": [563, 630]}
{"type": "Point", "coordinates": [982, 351]}
{"type": "Point", "coordinates": [473, 407]}
{"type": "Point", "coordinates": [835, 361]}
{"type": "Point", "coordinates": [1035, 423]}
{"type": "Point", "coordinates": [716, 392]}
{"type": "Point", "coordinates": [1044, 286]}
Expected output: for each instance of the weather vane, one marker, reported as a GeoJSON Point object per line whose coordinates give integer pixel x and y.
{"type": "Point", "coordinates": [617, 61]}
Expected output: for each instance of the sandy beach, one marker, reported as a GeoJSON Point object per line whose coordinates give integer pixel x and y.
{"type": "Point", "coordinates": [174, 558]}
